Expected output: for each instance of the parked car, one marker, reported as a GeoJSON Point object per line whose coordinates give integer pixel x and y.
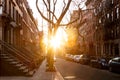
{"type": "Point", "coordinates": [101, 63]}
{"type": "Point", "coordinates": [84, 59]}
{"type": "Point", "coordinates": [93, 61]}
{"type": "Point", "coordinates": [114, 64]}
{"type": "Point", "coordinates": [72, 57]}
{"type": "Point", "coordinates": [69, 57]}
{"type": "Point", "coordinates": [77, 58]}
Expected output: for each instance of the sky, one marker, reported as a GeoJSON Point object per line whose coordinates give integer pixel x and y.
{"type": "Point", "coordinates": [41, 22]}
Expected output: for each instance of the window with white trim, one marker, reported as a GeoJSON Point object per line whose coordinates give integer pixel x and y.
{"type": "Point", "coordinates": [112, 1]}
{"type": "Point", "coordinates": [112, 15]}
{"type": "Point", "coordinates": [100, 20]}
{"type": "Point", "coordinates": [117, 11]}
{"type": "Point", "coordinates": [108, 15]}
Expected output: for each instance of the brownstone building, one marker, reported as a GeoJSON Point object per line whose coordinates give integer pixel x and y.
{"type": "Point", "coordinates": [86, 30]}
{"type": "Point", "coordinates": [19, 37]}
{"type": "Point", "coordinates": [100, 28]}
{"type": "Point", "coordinates": [107, 27]}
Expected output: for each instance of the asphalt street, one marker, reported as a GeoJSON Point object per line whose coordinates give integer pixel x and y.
{"type": "Point", "coordinates": [76, 71]}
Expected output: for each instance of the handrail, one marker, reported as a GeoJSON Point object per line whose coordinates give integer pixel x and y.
{"type": "Point", "coordinates": [15, 48]}
{"type": "Point", "coordinates": [23, 50]}
{"type": "Point", "coordinates": [16, 52]}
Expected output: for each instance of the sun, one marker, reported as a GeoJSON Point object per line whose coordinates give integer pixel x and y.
{"type": "Point", "coordinates": [59, 39]}
{"type": "Point", "coordinates": [55, 42]}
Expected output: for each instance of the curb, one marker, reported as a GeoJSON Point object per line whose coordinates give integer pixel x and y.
{"type": "Point", "coordinates": [58, 75]}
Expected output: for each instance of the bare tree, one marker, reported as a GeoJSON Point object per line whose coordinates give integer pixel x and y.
{"type": "Point", "coordinates": [54, 20]}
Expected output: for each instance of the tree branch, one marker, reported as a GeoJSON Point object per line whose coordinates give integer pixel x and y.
{"type": "Point", "coordinates": [63, 13]}
{"type": "Point", "coordinates": [54, 4]}
{"type": "Point", "coordinates": [45, 4]}
{"type": "Point", "coordinates": [78, 18]}
{"type": "Point", "coordinates": [42, 14]}
{"type": "Point", "coordinates": [64, 5]}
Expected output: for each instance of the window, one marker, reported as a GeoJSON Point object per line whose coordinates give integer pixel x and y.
{"type": "Point", "coordinates": [95, 11]}
{"type": "Point", "coordinates": [100, 20]}
{"type": "Point", "coordinates": [0, 7]}
{"type": "Point", "coordinates": [9, 8]}
{"type": "Point", "coordinates": [112, 15]}
{"type": "Point", "coordinates": [100, 7]}
{"type": "Point", "coordinates": [118, 30]}
{"type": "Point", "coordinates": [112, 1]}
{"type": "Point", "coordinates": [108, 15]}
{"type": "Point", "coordinates": [115, 33]}
{"type": "Point", "coordinates": [117, 11]}
{"type": "Point", "coordinates": [100, 4]}
{"type": "Point", "coordinates": [13, 13]}
{"type": "Point", "coordinates": [4, 5]}
{"type": "Point", "coordinates": [17, 17]}
{"type": "Point", "coordinates": [0, 10]}
{"type": "Point", "coordinates": [112, 33]}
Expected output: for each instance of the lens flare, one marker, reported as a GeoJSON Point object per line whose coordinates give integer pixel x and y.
{"type": "Point", "coordinates": [59, 39]}
{"type": "Point", "coordinates": [55, 42]}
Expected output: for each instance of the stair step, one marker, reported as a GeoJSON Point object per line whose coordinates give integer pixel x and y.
{"type": "Point", "coordinates": [30, 73]}
{"type": "Point", "coordinates": [26, 70]}
{"type": "Point", "coordinates": [14, 62]}
{"type": "Point", "coordinates": [6, 57]}
{"type": "Point", "coordinates": [23, 68]}
{"type": "Point", "coordinates": [2, 54]}
{"type": "Point", "coordinates": [10, 59]}
{"type": "Point", "coordinates": [19, 65]}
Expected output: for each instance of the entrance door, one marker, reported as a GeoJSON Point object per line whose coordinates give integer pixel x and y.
{"type": "Point", "coordinates": [8, 34]}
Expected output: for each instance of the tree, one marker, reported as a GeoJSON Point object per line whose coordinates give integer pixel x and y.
{"type": "Point", "coordinates": [55, 21]}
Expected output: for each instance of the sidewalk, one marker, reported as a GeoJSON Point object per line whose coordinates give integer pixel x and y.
{"type": "Point", "coordinates": [40, 74]}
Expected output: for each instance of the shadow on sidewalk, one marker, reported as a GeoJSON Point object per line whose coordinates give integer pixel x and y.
{"type": "Point", "coordinates": [40, 74]}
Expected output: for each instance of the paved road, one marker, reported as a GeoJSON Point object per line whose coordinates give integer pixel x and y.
{"type": "Point", "coordinates": [74, 71]}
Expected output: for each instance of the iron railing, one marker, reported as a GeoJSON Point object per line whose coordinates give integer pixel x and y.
{"type": "Point", "coordinates": [26, 60]}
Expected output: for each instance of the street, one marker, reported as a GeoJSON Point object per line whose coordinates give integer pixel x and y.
{"type": "Point", "coordinates": [75, 71]}
{"type": "Point", "coordinates": [54, 39]}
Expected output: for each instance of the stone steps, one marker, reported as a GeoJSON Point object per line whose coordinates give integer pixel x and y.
{"type": "Point", "coordinates": [17, 64]}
